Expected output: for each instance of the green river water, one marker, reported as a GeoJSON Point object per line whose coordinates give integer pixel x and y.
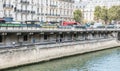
{"type": "Point", "coordinates": [106, 60]}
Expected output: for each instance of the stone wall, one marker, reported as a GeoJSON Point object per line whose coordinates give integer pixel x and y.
{"type": "Point", "coordinates": [16, 57]}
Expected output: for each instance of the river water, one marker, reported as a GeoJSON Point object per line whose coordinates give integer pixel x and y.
{"type": "Point", "coordinates": [107, 60]}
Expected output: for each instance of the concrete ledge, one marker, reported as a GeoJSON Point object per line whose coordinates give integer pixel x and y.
{"type": "Point", "coordinates": [19, 57]}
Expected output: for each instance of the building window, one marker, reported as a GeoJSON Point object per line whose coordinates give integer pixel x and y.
{"type": "Point", "coordinates": [25, 38]}
{"type": "Point", "coordinates": [75, 35]}
{"type": "Point", "coordinates": [61, 35]}
{"type": "Point", "coordinates": [0, 38]}
{"type": "Point", "coordinates": [45, 37]}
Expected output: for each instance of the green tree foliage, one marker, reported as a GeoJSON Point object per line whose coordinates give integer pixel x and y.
{"type": "Point", "coordinates": [118, 13]}
{"type": "Point", "coordinates": [78, 16]}
{"type": "Point", "coordinates": [104, 14]}
{"type": "Point", "coordinates": [112, 14]}
{"type": "Point", "coordinates": [97, 13]}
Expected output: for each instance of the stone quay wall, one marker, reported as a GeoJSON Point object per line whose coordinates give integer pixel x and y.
{"type": "Point", "coordinates": [22, 56]}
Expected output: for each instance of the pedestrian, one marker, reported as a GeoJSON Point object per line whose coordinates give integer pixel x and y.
{"type": "Point", "coordinates": [13, 44]}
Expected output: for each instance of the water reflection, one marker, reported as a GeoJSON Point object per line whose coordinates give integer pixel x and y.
{"type": "Point", "coordinates": [108, 60]}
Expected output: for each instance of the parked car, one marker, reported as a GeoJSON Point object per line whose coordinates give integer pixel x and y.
{"type": "Point", "coordinates": [111, 26]}
{"type": "Point", "coordinates": [100, 26]}
{"type": "Point", "coordinates": [80, 26]}
{"type": "Point", "coordinates": [97, 25]}
{"type": "Point", "coordinates": [65, 27]}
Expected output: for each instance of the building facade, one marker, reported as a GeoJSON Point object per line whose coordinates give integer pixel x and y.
{"type": "Point", "coordinates": [42, 10]}
{"type": "Point", "coordinates": [88, 7]}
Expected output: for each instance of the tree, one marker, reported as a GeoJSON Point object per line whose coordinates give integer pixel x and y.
{"type": "Point", "coordinates": [97, 13]}
{"type": "Point", "coordinates": [78, 16]}
{"type": "Point", "coordinates": [104, 14]}
{"type": "Point", "coordinates": [118, 13]}
{"type": "Point", "coordinates": [112, 14]}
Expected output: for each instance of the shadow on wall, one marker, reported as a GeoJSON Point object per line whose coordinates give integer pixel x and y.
{"type": "Point", "coordinates": [119, 36]}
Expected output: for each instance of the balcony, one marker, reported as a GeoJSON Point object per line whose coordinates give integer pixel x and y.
{"type": "Point", "coordinates": [32, 12]}
{"type": "Point", "coordinates": [24, 2]}
{"type": "Point", "coordinates": [7, 6]}
{"type": "Point", "coordinates": [23, 11]}
{"type": "Point", "coordinates": [53, 6]}
{"type": "Point", "coordinates": [42, 13]}
{"type": "Point", "coordinates": [52, 15]}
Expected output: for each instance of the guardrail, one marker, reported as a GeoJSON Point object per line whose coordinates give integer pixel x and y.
{"type": "Point", "coordinates": [39, 29]}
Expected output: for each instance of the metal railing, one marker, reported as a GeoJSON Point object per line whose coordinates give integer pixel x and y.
{"type": "Point", "coordinates": [33, 29]}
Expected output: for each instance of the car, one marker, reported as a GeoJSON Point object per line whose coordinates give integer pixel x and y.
{"type": "Point", "coordinates": [80, 27]}
{"type": "Point", "coordinates": [100, 26]}
{"type": "Point", "coordinates": [111, 26]}
{"type": "Point", "coordinates": [65, 27]}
